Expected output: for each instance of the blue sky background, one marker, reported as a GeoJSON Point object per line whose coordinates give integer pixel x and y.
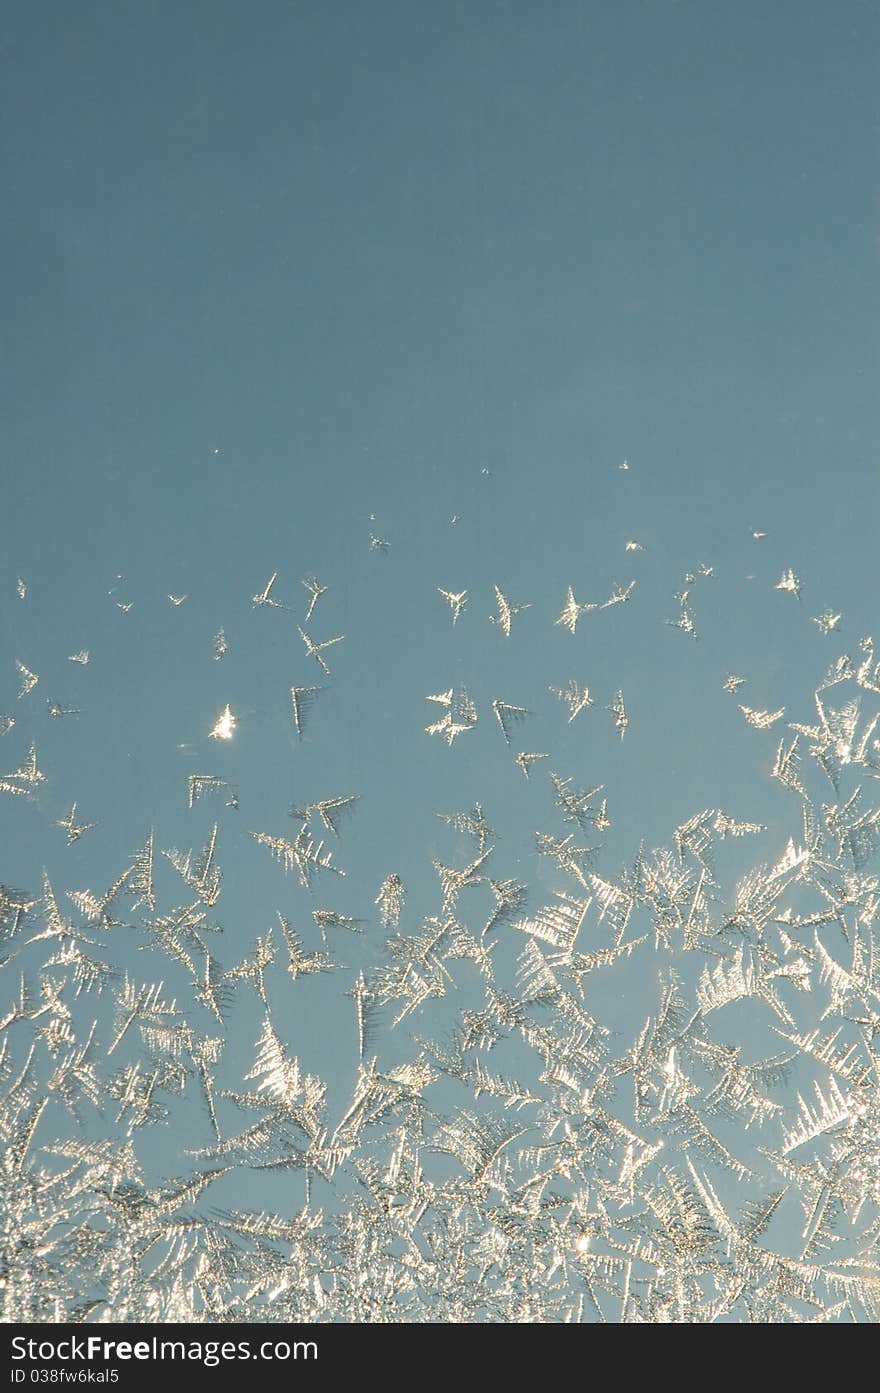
{"type": "Point", "coordinates": [270, 271]}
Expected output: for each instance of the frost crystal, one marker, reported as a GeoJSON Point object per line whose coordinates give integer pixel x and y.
{"type": "Point", "coordinates": [562, 1074]}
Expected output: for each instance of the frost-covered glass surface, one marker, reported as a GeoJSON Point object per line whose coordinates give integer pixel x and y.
{"type": "Point", "coordinates": [439, 810]}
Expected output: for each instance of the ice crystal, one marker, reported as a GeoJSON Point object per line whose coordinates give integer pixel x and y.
{"type": "Point", "coordinates": [29, 679]}
{"type": "Point", "coordinates": [457, 601]}
{"type": "Point", "coordinates": [576, 698]}
{"type": "Point", "coordinates": [506, 612]}
{"type": "Point", "coordinates": [790, 582]}
{"type": "Point", "coordinates": [477, 1131]}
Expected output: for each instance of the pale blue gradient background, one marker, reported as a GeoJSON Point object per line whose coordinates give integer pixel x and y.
{"type": "Point", "coordinates": [366, 252]}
